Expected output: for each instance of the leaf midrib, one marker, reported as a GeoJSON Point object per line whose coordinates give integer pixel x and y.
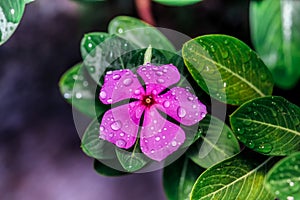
{"type": "Point", "coordinates": [242, 177]}
{"type": "Point", "coordinates": [215, 146]}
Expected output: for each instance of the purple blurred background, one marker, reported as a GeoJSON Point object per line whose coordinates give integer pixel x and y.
{"type": "Point", "coordinates": [40, 155]}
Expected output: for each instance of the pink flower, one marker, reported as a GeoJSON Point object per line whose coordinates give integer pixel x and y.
{"type": "Point", "coordinates": [158, 137]}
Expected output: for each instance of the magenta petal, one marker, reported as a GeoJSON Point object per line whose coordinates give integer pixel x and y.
{"type": "Point", "coordinates": [163, 76]}
{"type": "Point", "coordinates": [118, 127]}
{"type": "Point", "coordinates": [182, 105]}
{"type": "Point", "coordinates": [159, 137]}
{"type": "Point", "coordinates": [120, 85]}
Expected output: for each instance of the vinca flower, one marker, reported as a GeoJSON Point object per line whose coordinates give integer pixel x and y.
{"type": "Point", "coordinates": [148, 95]}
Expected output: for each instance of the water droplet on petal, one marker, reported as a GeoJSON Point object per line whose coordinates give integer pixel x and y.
{"type": "Point", "coordinates": [137, 92]}
{"type": "Point", "coordinates": [159, 73]}
{"type": "Point", "coordinates": [166, 104]}
{"type": "Point", "coordinates": [181, 112]}
{"type": "Point", "coordinates": [160, 80]}
{"type": "Point", "coordinates": [102, 128]}
{"type": "Point", "coordinates": [78, 95]}
{"type": "Point", "coordinates": [116, 77]}
{"type": "Point", "coordinates": [121, 143]}
{"type": "Point", "coordinates": [157, 138]}
{"type": "Point", "coordinates": [127, 81]}
{"type": "Point", "coordinates": [102, 95]}
{"type": "Point", "coordinates": [116, 125]}
{"type": "Point", "coordinates": [173, 143]}
{"type": "Point", "coordinates": [152, 151]}
{"type": "Point", "coordinates": [120, 30]}
{"type": "Point", "coordinates": [109, 72]}
{"type": "Point", "coordinates": [109, 101]}
{"type": "Point", "coordinates": [190, 98]}
{"type": "Point", "coordinates": [67, 95]}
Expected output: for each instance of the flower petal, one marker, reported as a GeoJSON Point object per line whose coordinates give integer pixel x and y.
{"type": "Point", "coordinates": [120, 85]}
{"type": "Point", "coordinates": [118, 127]}
{"type": "Point", "coordinates": [163, 76]}
{"type": "Point", "coordinates": [159, 137]}
{"type": "Point", "coordinates": [182, 106]}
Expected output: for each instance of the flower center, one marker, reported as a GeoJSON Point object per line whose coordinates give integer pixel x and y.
{"type": "Point", "coordinates": [148, 100]}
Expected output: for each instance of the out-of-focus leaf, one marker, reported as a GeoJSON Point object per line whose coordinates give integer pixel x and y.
{"type": "Point", "coordinates": [275, 33]}
{"type": "Point", "coordinates": [216, 144]}
{"type": "Point", "coordinates": [11, 12]}
{"type": "Point", "coordinates": [227, 69]}
{"type": "Point", "coordinates": [177, 2]}
{"type": "Point", "coordinates": [179, 178]}
{"type": "Point", "coordinates": [104, 170]}
{"type": "Point", "coordinates": [283, 180]}
{"type": "Point", "coordinates": [269, 125]}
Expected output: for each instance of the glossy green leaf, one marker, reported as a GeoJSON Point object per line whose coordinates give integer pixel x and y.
{"type": "Point", "coordinates": [179, 178]}
{"type": "Point", "coordinates": [283, 180]}
{"type": "Point", "coordinates": [239, 177]}
{"type": "Point", "coordinates": [227, 69]}
{"type": "Point", "coordinates": [276, 38]}
{"type": "Point", "coordinates": [82, 93]}
{"type": "Point", "coordinates": [177, 2]}
{"type": "Point", "coordinates": [139, 33]}
{"type": "Point", "coordinates": [95, 147]}
{"type": "Point", "coordinates": [269, 125]}
{"type": "Point", "coordinates": [11, 12]}
{"type": "Point", "coordinates": [104, 170]}
{"type": "Point", "coordinates": [131, 161]}
{"type": "Point", "coordinates": [217, 143]}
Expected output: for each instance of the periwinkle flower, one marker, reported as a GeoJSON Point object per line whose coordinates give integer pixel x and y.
{"type": "Point", "coordinates": [123, 124]}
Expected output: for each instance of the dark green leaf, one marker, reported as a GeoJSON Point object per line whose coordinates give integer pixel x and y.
{"type": "Point", "coordinates": [132, 161]}
{"type": "Point", "coordinates": [227, 69]}
{"type": "Point", "coordinates": [11, 12]}
{"type": "Point", "coordinates": [283, 180]}
{"type": "Point", "coordinates": [104, 170]}
{"type": "Point", "coordinates": [179, 178]}
{"type": "Point", "coordinates": [216, 144]}
{"type": "Point", "coordinates": [269, 125]}
{"type": "Point", "coordinates": [276, 38]}
{"type": "Point", "coordinates": [81, 92]}
{"type": "Point", "coordinates": [177, 2]}
{"type": "Point", "coordinates": [95, 147]}
{"type": "Point", "coordinates": [239, 177]}
{"type": "Point", "coordinates": [139, 33]}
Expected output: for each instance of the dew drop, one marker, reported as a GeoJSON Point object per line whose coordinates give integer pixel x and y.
{"type": "Point", "coordinates": [111, 135]}
{"type": "Point", "coordinates": [224, 84]}
{"type": "Point", "coordinates": [109, 72]}
{"type": "Point", "coordinates": [116, 125]}
{"type": "Point", "coordinates": [250, 144]}
{"type": "Point", "coordinates": [190, 98]}
{"type": "Point", "coordinates": [263, 77]}
{"type": "Point", "coordinates": [173, 143]}
{"type": "Point", "coordinates": [165, 70]}
{"type": "Point", "coordinates": [137, 92]}
{"type": "Point", "coordinates": [160, 80]}
{"type": "Point", "coordinates": [102, 128]}
{"type": "Point", "coordinates": [116, 77]}
{"type": "Point", "coordinates": [157, 138]}
{"type": "Point", "coordinates": [122, 134]}
{"type": "Point", "coordinates": [78, 95]}
{"type": "Point", "coordinates": [67, 95]}
{"type": "Point", "coordinates": [121, 143]}
{"type": "Point", "coordinates": [181, 112]}
{"type": "Point", "coordinates": [102, 95]}
{"type": "Point", "coordinates": [152, 151]}
{"type": "Point", "coordinates": [91, 69]}
{"type": "Point", "coordinates": [247, 122]}
{"type": "Point", "coordinates": [226, 42]}
{"type": "Point", "coordinates": [166, 104]}
{"type": "Point", "coordinates": [159, 73]}
{"type": "Point", "coordinates": [127, 81]}
{"type": "Point", "coordinates": [229, 136]}
{"type": "Point", "coordinates": [109, 101]}
{"type": "Point", "coordinates": [265, 148]}
{"type": "Point", "coordinates": [240, 131]}
{"type": "Point", "coordinates": [120, 30]}
{"type": "Point", "coordinates": [224, 54]}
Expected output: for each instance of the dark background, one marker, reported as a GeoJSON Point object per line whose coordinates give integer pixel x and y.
{"type": "Point", "coordinates": [40, 155]}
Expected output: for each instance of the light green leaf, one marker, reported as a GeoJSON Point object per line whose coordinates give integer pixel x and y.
{"type": "Point", "coordinates": [276, 38]}
{"type": "Point", "coordinates": [28, 1]}
{"type": "Point", "coordinates": [240, 177]}
{"type": "Point", "coordinates": [95, 147]}
{"type": "Point", "coordinates": [131, 161]}
{"type": "Point", "coordinates": [81, 92]}
{"type": "Point", "coordinates": [177, 2]}
{"type": "Point", "coordinates": [139, 33]}
{"type": "Point", "coordinates": [269, 125]}
{"type": "Point", "coordinates": [179, 178]}
{"type": "Point", "coordinates": [227, 69]}
{"type": "Point", "coordinates": [11, 12]}
{"type": "Point", "coordinates": [283, 180]}
{"type": "Point", "coordinates": [104, 170]}
{"type": "Point", "coordinates": [217, 143]}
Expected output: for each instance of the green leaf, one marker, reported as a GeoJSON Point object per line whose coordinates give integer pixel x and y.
{"type": "Point", "coordinates": [269, 125]}
{"type": "Point", "coordinates": [95, 147]}
{"type": "Point", "coordinates": [240, 177]}
{"type": "Point", "coordinates": [283, 180]}
{"type": "Point", "coordinates": [11, 12]}
{"type": "Point", "coordinates": [227, 69]}
{"type": "Point", "coordinates": [177, 2]}
{"type": "Point", "coordinates": [217, 143]}
{"type": "Point", "coordinates": [276, 38]}
{"type": "Point", "coordinates": [179, 178]}
{"type": "Point", "coordinates": [139, 33]}
{"type": "Point", "coordinates": [104, 170]}
{"type": "Point", "coordinates": [28, 1]}
{"type": "Point", "coordinates": [131, 161]}
{"type": "Point", "coordinates": [81, 92]}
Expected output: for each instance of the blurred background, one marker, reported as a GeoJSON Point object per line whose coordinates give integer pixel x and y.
{"type": "Point", "coordinates": [40, 155]}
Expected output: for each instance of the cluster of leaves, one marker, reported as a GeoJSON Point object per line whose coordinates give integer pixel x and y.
{"type": "Point", "coordinates": [11, 13]}
{"type": "Point", "coordinates": [267, 127]}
